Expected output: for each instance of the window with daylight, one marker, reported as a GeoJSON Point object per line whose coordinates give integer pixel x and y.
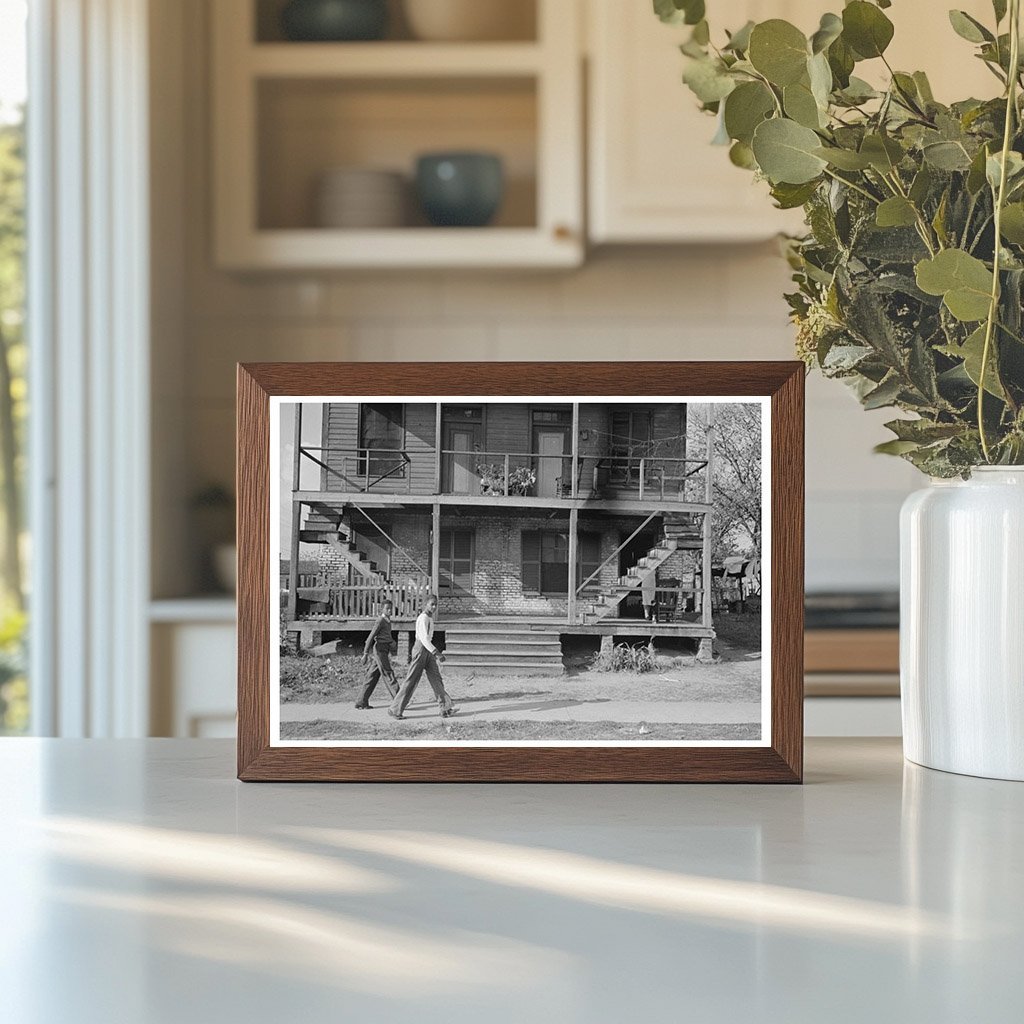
{"type": "Point", "coordinates": [456, 557]}
{"type": "Point", "coordinates": [545, 561]}
{"type": "Point", "coordinates": [381, 430]}
{"type": "Point", "coordinates": [14, 693]}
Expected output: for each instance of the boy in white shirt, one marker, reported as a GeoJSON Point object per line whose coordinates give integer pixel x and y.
{"type": "Point", "coordinates": [425, 658]}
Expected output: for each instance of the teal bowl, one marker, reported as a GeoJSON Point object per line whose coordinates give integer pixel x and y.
{"type": "Point", "coordinates": [334, 21]}
{"type": "Point", "coordinates": [460, 190]}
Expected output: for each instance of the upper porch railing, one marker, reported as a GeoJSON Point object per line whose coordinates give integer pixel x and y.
{"type": "Point", "coordinates": [508, 474]}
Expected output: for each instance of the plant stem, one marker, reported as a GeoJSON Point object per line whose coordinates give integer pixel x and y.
{"type": "Point", "coordinates": [855, 187]}
{"type": "Point", "coordinates": [993, 309]}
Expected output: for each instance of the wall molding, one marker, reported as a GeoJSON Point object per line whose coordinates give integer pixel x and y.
{"type": "Point", "coordinates": [89, 323]}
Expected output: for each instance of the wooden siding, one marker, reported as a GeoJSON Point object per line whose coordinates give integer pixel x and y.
{"type": "Point", "coordinates": [341, 431]}
{"type": "Point", "coordinates": [507, 429]}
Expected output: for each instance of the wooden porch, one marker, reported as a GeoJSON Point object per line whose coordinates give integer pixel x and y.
{"type": "Point", "coordinates": [540, 624]}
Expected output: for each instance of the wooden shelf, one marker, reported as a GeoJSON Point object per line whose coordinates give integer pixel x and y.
{"type": "Point", "coordinates": [285, 113]}
{"type": "Point", "coordinates": [401, 247]}
{"type": "Point", "coordinates": [393, 60]}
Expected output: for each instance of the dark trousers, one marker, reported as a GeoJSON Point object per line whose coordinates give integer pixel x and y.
{"type": "Point", "coordinates": [380, 668]}
{"type": "Point", "coordinates": [421, 661]}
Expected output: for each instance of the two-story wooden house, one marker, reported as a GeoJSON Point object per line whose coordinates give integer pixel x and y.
{"type": "Point", "coordinates": [531, 521]}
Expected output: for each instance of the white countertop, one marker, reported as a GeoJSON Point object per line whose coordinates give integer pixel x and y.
{"type": "Point", "coordinates": [143, 885]}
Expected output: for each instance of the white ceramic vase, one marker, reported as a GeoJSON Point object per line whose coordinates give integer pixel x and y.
{"type": "Point", "coordinates": [962, 624]}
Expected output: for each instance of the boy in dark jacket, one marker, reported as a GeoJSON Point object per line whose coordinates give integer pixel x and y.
{"type": "Point", "coordinates": [377, 654]}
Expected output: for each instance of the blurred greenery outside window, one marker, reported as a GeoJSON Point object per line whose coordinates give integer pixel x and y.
{"type": "Point", "coordinates": [14, 703]}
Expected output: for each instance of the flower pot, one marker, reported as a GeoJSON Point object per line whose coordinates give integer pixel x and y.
{"type": "Point", "coordinates": [962, 624]}
{"type": "Point", "coordinates": [334, 20]}
{"type": "Point", "coordinates": [470, 20]}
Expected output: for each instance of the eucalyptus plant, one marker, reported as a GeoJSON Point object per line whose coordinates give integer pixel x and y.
{"type": "Point", "coordinates": [909, 280]}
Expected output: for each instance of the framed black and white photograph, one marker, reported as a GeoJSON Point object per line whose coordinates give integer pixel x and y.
{"type": "Point", "coordinates": [523, 585]}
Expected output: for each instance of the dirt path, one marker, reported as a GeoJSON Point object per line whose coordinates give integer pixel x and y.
{"type": "Point", "coordinates": [684, 694]}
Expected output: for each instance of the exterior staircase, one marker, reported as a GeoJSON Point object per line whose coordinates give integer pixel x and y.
{"type": "Point", "coordinates": [326, 525]}
{"type": "Point", "coordinates": [501, 648]}
{"type": "Point", "coordinates": [682, 531]}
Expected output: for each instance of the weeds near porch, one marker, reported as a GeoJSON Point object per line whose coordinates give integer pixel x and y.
{"type": "Point", "coordinates": [623, 658]}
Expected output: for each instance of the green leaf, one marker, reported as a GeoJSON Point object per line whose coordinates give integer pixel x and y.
{"type": "Point", "coordinates": [745, 108]}
{"type": "Point", "coordinates": [829, 30]}
{"type": "Point", "coordinates": [841, 60]}
{"type": "Point", "coordinates": [676, 12]}
{"type": "Point", "coordinates": [742, 155]}
{"type": "Point", "coordinates": [739, 41]}
{"type": "Point", "coordinates": [971, 352]}
{"type": "Point", "coordinates": [701, 33]}
{"type": "Point", "coordinates": [844, 159]}
{"type": "Point", "coordinates": [939, 220]}
{"type": "Point", "coordinates": [976, 173]}
{"type": "Point", "coordinates": [924, 87]}
{"type": "Point", "coordinates": [800, 105]}
{"type": "Point", "coordinates": [708, 80]}
{"type": "Point", "coordinates": [963, 281]}
{"type": "Point", "coordinates": [896, 212]}
{"type": "Point", "coordinates": [883, 153]}
{"type": "Point", "coordinates": [820, 76]}
{"type": "Point", "coordinates": [1014, 169]}
{"type": "Point", "coordinates": [885, 394]}
{"type": "Point", "coordinates": [858, 91]}
{"type": "Point", "coordinates": [789, 197]}
{"type": "Point", "coordinates": [946, 156]}
{"type": "Point", "coordinates": [895, 447]}
{"type": "Point", "coordinates": [923, 431]}
{"type": "Point", "coordinates": [866, 29]}
{"type": "Point", "coordinates": [969, 28]}
{"type": "Point", "coordinates": [1012, 224]}
{"type": "Point", "coordinates": [778, 50]}
{"type": "Point", "coordinates": [921, 185]}
{"type": "Point", "coordinates": [785, 152]}
{"type": "Point", "coordinates": [999, 7]}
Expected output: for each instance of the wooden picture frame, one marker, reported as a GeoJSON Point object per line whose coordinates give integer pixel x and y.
{"type": "Point", "coordinates": [777, 758]}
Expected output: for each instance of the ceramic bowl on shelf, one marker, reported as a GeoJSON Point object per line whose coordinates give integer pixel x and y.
{"type": "Point", "coordinates": [331, 21]}
{"type": "Point", "coordinates": [460, 189]}
{"type": "Point", "coordinates": [361, 198]}
{"type": "Point", "coordinates": [471, 20]}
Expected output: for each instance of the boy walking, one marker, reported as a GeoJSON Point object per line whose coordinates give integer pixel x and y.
{"type": "Point", "coordinates": [378, 647]}
{"type": "Point", "coordinates": [425, 658]}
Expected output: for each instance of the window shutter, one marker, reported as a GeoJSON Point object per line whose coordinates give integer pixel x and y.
{"type": "Point", "coordinates": [531, 561]}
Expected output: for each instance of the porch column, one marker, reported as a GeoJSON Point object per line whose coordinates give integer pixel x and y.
{"type": "Point", "coordinates": [293, 555]}
{"type": "Point", "coordinates": [435, 550]}
{"type": "Point", "coordinates": [573, 559]}
{"type": "Point", "coordinates": [575, 448]}
{"type": "Point", "coordinates": [437, 448]}
{"type": "Point", "coordinates": [704, 652]}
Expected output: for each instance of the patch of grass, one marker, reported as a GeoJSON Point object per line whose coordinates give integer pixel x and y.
{"type": "Point", "coordinates": [306, 679]}
{"type": "Point", "coordinates": [454, 731]}
{"type": "Point", "coordinates": [625, 658]}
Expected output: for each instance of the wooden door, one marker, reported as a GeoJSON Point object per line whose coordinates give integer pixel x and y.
{"type": "Point", "coordinates": [550, 443]}
{"type": "Point", "coordinates": [460, 475]}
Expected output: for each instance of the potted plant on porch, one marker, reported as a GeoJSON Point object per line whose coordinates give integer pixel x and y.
{"type": "Point", "coordinates": [909, 285]}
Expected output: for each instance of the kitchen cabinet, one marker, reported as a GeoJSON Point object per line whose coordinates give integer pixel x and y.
{"type": "Point", "coordinates": [653, 175]}
{"type": "Point", "coordinates": [286, 113]}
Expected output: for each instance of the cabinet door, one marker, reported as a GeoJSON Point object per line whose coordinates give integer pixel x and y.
{"type": "Point", "coordinates": [654, 176]}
